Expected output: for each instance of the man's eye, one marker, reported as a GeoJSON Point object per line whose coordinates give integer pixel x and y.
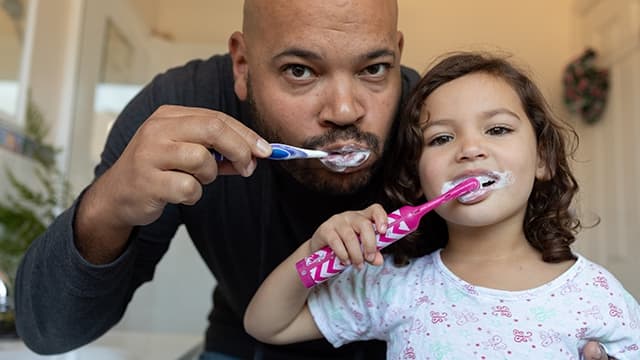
{"type": "Point", "coordinates": [499, 130]}
{"type": "Point", "coordinates": [376, 69]}
{"type": "Point", "coordinates": [297, 71]}
{"type": "Point", "coordinates": [440, 140]}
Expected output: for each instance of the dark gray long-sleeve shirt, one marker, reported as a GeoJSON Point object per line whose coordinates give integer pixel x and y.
{"type": "Point", "coordinates": [242, 228]}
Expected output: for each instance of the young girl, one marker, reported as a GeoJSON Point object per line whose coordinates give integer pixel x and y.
{"type": "Point", "coordinates": [489, 276]}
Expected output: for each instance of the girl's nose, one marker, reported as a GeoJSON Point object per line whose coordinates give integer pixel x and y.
{"type": "Point", "coordinates": [471, 149]}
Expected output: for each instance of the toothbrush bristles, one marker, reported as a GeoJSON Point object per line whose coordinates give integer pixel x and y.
{"type": "Point", "coordinates": [487, 183]}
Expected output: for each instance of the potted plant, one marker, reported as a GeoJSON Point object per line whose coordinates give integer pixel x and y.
{"type": "Point", "coordinates": [26, 210]}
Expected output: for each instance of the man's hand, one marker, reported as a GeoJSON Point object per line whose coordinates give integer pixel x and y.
{"type": "Point", "coordinates": [167, 161]}
{"type": "Point", "coordinates": [593, 351]}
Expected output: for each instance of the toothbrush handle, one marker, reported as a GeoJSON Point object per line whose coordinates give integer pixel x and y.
{"type": "Point", "coordinates": [285, 152]}
{"type": "Point", "coordinates": [323, 264]}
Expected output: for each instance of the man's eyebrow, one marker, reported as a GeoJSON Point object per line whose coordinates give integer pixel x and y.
{"type": "Point", "coordinates": [297, 52]}
{"type": "Point", "coordinates": [310, 55]}
{"type": "Point", "coordinates": [379, 53]}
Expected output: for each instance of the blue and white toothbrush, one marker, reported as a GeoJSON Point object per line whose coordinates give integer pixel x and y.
{"type": "Point", "coordinates": [287, 152]}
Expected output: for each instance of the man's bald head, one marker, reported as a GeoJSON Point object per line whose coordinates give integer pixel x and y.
{"type": "Point", "coordinates": [255, 12]}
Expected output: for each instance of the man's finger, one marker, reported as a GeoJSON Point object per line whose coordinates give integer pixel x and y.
{"type": "Point", "coordinates": [216, 131]}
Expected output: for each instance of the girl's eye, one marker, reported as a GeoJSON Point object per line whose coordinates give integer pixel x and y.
{"type": "Point", "coordinates": [298, 72]}
{"type": "Point", "coordinates": [440, 140]}
{"type": "Point", "coordinates": [376, 70]}
{"type": "Point", "coordinates": [499, 130]}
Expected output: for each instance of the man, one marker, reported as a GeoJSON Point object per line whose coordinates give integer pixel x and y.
{"type": "Point", "coordinates": [319, 74]}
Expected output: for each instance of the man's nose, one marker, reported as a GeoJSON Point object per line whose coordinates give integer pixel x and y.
{"type": "Point", "coordinates": [342, 105]}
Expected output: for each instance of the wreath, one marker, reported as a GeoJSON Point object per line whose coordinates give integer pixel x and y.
{"type": "Point", "coordinates": [586, 87]}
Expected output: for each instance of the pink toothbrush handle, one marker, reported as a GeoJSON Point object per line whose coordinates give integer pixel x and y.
{"type": "Point", "coordinates": [323, 264]}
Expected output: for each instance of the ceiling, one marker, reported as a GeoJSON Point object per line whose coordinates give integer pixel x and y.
{"type": "Point", "coordinates": [191, 21]}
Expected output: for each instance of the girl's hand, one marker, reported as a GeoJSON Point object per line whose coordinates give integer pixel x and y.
{"type": "Point", "coordinates": [352, 235]}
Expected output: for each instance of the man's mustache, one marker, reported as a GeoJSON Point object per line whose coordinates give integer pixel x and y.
{"type": "Point", "coordinates": [348, 133]}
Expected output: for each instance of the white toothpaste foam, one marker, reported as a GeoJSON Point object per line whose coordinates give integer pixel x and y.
{"type": "Point", "coordinates": [341, 160]}
{"type": "Point", "coordinates": [492, 181]}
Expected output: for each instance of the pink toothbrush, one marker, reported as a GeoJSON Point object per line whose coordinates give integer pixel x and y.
{"type": "Point", "coordinates": [323, 264]}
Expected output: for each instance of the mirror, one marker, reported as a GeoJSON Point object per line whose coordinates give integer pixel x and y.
{"type": "Point", "coordinates": [13, 37]}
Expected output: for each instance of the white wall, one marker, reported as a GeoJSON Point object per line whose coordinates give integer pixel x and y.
{"type": "Point", "coordinates": [537, 33]}
{"type": "Point", "coordinates": [165, 54]}
{"type": "Point", "coordinates": [608, 164]}
{"type": "Point", "coordinates": [52, 63]}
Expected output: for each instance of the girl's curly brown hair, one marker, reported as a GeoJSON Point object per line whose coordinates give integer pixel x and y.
{"type": "Point", "coordinates": [549, 225]}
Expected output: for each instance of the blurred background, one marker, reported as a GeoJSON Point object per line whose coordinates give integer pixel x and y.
{"type": "Point", "coordinates": [79, 61]}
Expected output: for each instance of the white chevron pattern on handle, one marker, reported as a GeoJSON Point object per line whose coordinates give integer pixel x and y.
{"type": "Point", "coordinates": [323, 264]}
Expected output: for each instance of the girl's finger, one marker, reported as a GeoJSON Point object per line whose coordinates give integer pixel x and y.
{"type": "Point", "coordinates": [336, 244]}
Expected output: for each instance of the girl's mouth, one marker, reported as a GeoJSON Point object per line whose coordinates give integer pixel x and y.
{"type": "Point", "coordinates": [490, 181]}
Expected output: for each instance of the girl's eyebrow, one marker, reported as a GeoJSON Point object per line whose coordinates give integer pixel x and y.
{"type": "Point", "coordinates": [488, 114]}
{"type": "Point", "coordinates": [435, 122]}
{"type": "Point", "coordinates": [491, 113]}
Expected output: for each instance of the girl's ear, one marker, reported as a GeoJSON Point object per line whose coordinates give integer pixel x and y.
{"type": "Point", "coordinates": [543, 172]}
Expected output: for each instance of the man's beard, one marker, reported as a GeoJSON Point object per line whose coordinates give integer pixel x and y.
{"type": "Point", "coordinates": [310, 172]}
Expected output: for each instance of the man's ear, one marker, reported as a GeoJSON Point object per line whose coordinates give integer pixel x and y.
{"type": "Point", "coordinates": [238, 51]}
{"type": "Point", "coordinates": [400, 42]}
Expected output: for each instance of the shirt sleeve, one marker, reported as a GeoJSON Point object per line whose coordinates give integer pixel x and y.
{"type": "Point", "coordinates": [620, 313]}
{"type": "Point", "coordinates": [357, 304]}
{"type": "Point", "coordinates": [58, 293]}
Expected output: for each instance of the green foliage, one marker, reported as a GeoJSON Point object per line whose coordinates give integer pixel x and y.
{"type": "Point", "coordinates": [26, 211]}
